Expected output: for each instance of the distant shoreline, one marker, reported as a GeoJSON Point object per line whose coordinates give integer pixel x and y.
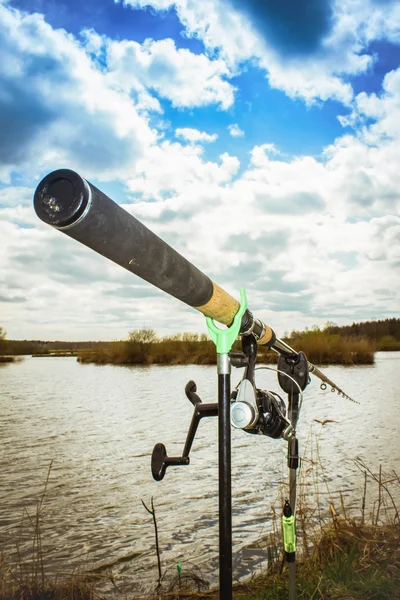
{"type": "Point", "coordinates": [320, 348]}
{"type": "Point", "coordinates": [347, 345]}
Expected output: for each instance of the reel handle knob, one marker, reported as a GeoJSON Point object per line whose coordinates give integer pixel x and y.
{"type": "Point", "coordinates": [190, 391]}
{"type": "Point", "coordinates": [160, 461]}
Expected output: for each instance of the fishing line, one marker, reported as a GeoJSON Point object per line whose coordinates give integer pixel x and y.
{"type": "Point", "coordinates": [276, 370]}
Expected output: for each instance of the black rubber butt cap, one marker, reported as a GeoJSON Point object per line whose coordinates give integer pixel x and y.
{"type": "Point", "coordinates": [61, 198]}
{"type": "Point", "coordinates": [159, 462]}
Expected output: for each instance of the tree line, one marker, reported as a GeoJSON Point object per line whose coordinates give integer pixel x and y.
{"type": "Point", "coordinates": [383, 334]}
{"type": "Point", "coordinates": [373, 330]}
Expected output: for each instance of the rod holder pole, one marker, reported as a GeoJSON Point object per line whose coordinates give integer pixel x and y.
{"type": "Point", "coordinates": [224, 479]}
{"type": "Point", "coordinates": [294, 464]}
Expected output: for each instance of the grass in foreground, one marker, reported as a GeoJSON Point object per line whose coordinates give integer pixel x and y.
{"type": "Point", "coordinates": [344, 556]}
{"type": "Point", "coordinates": [350, 562]}
{"type": "Point", "coordinates": [341, 555]}
{"type": "Point", "coordinates": [73, 588]}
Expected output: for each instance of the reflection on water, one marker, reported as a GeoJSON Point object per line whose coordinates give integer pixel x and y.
{"type": "Point", "coordinates": [98, 424]}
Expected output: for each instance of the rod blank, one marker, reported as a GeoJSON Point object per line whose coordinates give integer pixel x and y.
{"type": "Point", "coordinates": [70, 203]}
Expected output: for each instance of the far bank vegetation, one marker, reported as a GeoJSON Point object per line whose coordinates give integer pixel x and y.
{"type": "Point", "coordinates": [145, 347]}
{"type": "Point", "coordinates": [348, 345]}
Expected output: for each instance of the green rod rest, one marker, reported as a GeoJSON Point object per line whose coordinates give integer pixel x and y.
{"type": "Point", "coordinates": [225, 338]}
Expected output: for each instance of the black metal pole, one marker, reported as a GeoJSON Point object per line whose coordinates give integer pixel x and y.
{"type": "Point", "coordinates": [293, 460]}
{"type": "Point", "coordinates": [293, 370]}
{"type": "Point", "coordinates": [224, 472]}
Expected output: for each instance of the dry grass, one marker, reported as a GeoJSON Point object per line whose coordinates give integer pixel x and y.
{"type": "Point", "coordinates": [343, 553]}
{"type": "Point", "coordinates": [75, 587]}
{"type": "Point", "coordinates": [324, 348]}
{"type": "Point", "coordinates": [320, 348]}
{"type": "Point", "coordinates": [350, 561]}
{"type": "Point", "coordinates": [27, 579]}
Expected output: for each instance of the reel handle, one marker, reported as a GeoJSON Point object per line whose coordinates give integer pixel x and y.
{"type": "Point", "coordinates": [160, 461]}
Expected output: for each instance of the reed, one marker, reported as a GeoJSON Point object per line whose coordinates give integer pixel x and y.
{"type": "Point", "coordinates": [325, 348]}
{"type": "Point", "coordinates": [27, 579]}
{"type": "Point", "coordinates": [344, 552]}
{"type": "Point", "coordinates": [190, 348]}
{"type": "Point", "coordinates": [388, 343]}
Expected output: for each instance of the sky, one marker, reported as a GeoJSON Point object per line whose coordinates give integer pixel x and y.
{"type": "Point", "coordinates": [261, 139]}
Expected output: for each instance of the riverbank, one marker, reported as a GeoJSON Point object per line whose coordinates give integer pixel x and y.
{"type": "Point", "coordinates": [350, 562]}
{"type": "Point", "coordinates": [346, 345]}
{"type": "Point", "coordinates": [319, 347]}
{"type": "Point", "coordinates": [346, 554]}
{"type": "Point", "coordinates": [7, 359]}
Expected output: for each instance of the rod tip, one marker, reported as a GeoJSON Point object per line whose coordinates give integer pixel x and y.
{"type": "Point", "coordinates": [61, 198]}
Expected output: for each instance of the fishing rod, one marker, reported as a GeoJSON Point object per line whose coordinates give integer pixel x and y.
{"type": "Point", "coordinates": [74, 206]}
{"type": "Point", "coordinates": [69, 203]}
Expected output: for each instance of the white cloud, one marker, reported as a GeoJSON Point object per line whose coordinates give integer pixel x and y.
{"type": "Point", "coordinates": [194, 135]}
{"type": "Point", "coordinates": [321, 76]}
{"type": "Point", "coordinates": [170, 168]}
{"type": "Point", "coordinates": [184, 78]}
{"type": "Point", "coordinates": [11, 196]}
{"type": "Point", "coordinates": [328, 229]}
{"type": "Point", "coordinates": [215, 23]}
{"type": "Point", "coordinates": [57, 108]}
{"type": "Point", "coordinates": [309, 239]}
{"type": "Point", "coordinates": [290, 232]}
{"type": "Point", "coordinates": [260, 155]}
{"type": "Point", "coordinates": [383, 109]}
{"type": "Point", "coordinates": [235, 130]}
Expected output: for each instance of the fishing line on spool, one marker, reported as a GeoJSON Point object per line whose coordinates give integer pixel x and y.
{"type": "Point", "coordinates": [276, 370]}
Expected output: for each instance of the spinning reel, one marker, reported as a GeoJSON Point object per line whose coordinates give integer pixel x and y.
{"type": "Point", "coordinates": [253, 410]}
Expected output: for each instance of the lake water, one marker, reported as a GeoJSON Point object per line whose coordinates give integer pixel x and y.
{"type": "Point", "coordinates": [98, 424]}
